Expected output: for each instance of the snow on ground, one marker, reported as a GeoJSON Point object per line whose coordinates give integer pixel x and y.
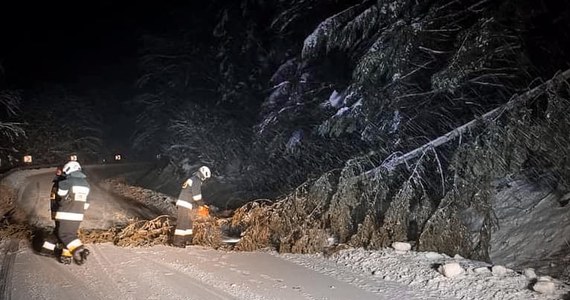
{"type": "Point", "coordinates": [160, 202]}
{"type": "Point", "coordinates": [386, 270]}
{"type": "Point", "coordinates": [18, 178]}
{"type": "Point", "coordinates": [419, 270]}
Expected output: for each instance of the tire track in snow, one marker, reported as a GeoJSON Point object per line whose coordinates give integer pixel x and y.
{"type": "Point", "coordinates": [196, 282]}
{"type": "Point", "coordinates": [136, 274]}
{"type": "Point", "coordinates": [99, 267]}
{"type": "Point", "coordinates": [41, 277]}
{"type": "Point", "coordinates": [7, 267]}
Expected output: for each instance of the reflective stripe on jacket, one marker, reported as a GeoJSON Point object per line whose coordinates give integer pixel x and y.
{"type": "Point", "coordinates": [191, 191]}
{"type": "Point", "coordinates": [73, 191]}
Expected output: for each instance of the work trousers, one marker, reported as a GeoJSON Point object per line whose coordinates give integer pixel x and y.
{"type": "Point", "coordinates": [183, 231]}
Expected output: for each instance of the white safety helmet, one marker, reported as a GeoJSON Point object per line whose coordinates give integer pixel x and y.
{"type": "Point", "coordinates": [204, 172]}
{"type": "Point", "coordinates": [71, 167]}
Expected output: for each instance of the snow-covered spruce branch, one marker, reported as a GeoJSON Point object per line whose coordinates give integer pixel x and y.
{"type": "Point", "coordinates": [12, 130]}
{"type": "Point", "coordinates": [10, 100]}
{"type": "Point", "coordinates": [457, 132]}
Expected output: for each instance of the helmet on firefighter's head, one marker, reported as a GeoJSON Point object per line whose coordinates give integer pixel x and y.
{"type": "Point", "coordinates": [204, 172]}
{"type": "Point", "coordinates": [71, 167]}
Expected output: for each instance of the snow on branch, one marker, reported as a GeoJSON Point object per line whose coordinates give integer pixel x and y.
{"type": "Point", "coordinates": [516, 100]}
{"type": "Point", "coordinates": [323, 35]}
{"type": "Point", "coordinates": [11, 130]}
{"type": "Point", "coordinates": [289, 16]}
{"type": "Point", "coordinates": [10, 101]}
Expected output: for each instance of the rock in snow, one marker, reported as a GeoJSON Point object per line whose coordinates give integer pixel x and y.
{"type": "Point", "coordinates": [499, 270]}
{"type": "Point", "coordinates": [529, 273]}
{"type": "Point", "coordinates": [544, 286]}
{"type": "Point", "coordinates": [400, 246]}
{"type": "Point", "coordinates": [433, 256]}
{"type": "Point", "coordinates": [450, 270]}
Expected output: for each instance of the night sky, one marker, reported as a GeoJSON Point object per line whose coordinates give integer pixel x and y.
{"type": "Point", "coordinates": [85, 48]}
{"type": "Point", "coordinates": [73, 44]}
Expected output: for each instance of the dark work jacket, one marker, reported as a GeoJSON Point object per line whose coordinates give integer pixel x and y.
{"type": "Point", "coordinates": [73, 191]}
{"type": "Point", "coordinates": [190, 194]}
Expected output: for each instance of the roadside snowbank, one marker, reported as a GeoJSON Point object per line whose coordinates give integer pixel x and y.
{"type": "Point", "coordinates": [419, 270]}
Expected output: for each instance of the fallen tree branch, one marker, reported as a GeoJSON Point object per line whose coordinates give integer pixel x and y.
{"type": "Point", "coordinates": [457, 132]}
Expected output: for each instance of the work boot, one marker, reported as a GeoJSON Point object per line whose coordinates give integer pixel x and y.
{"type": "Point", "coordinates": [58, 250]}
{"type": "Point", "coordinates": [80, 255]}
{"type": "Point", "coordinates": [47, 249]}
{"type": "Point", "coordinates": [46, 253]}
{"type": "Point", "coordinates": [66, 260]}
{"type": "Point", "coordinates": [63, 255]}
{"type": "Point", "coordinates": [179, 241]}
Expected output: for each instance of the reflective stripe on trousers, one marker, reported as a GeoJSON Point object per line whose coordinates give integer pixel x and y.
{"type": "Point", "coordinates": [60, 215]}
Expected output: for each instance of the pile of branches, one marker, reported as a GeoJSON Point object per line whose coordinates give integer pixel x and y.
{"type": "Point", "coordinates": [12, 223]}
{"type": "Point", "coordinates": [15, 231]}
{"type": "Point", "coordinates": [158, 231]}
{"type": "Point", "coordinates": [292, 224]}
{"type": "Point", "coordinates": [143, 233]}
{"type": "Point", "coordinates": [253, 220]}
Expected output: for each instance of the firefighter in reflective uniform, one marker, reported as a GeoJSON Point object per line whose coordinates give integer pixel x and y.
{"type": "Point", "coordinates": [73, 191]}
{"type": "Point", "coordinates": [190, 197]}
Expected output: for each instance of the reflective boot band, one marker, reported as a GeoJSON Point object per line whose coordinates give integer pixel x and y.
{"type": "Point", "coordinates": [48, 245]}
{"type": "Point", "coordinates": [74, 244]}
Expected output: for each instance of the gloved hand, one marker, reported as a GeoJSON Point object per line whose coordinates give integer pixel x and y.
{"type": "Point", "coordinates": [187, 183]}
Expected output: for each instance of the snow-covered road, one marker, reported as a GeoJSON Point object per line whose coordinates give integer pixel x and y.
{"type": "Point", "coordinates": [105, 211]}
{"type": "Point", "coordinates": [163, 272]}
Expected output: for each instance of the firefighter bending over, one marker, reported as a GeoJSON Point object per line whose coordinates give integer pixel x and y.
{"type": "Point", "coordinates": [190, 197]}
